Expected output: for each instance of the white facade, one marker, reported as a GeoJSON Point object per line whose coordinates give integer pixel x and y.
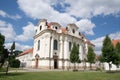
{"type": "Point", "coordinates": [25, 58]}
{"type": "Point", "coordinates": [52, 45]}
{"type": "Point", "coordinates": [113, 67]}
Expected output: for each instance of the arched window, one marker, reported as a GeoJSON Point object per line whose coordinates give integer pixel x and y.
{"type": "Point", "coordinates": [56, 27]}
{"type": "Point", "coordinates": [79, 33]}
{"type": "Point", "coordinates": [38, 45]}
{"type": "Point", "coordinates": [69, 46]}
{"type": "Point", "coordinates": [40, 27]}
{"type": "Point", "coordinates": [73, 31]}
{"type": "Point", "coordinates": [55, 44]}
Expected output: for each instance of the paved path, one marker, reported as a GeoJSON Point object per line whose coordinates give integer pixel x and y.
{"type": "Point", "coordinates": [41, 70]}
{"type": "Point", "coordinates": [35, 70]}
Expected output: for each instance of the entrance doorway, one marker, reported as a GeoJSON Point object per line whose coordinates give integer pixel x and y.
{"type": "Point", "coordinates": [36, 63]}
{"type": "Point", "coordinates": [55, 62]}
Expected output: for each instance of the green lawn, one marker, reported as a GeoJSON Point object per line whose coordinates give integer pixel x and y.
{"type": "Point", "coordinates": [63, 75]}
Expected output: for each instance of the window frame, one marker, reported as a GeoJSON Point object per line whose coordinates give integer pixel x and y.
{"type": "Point", "coordinates": [40, 27]}
{"type": "Point", "coordinates": [73, 31]}
{"type": "Point", "coordinates": [70, 45]}
{"type": "Point", "coordinates": [38, 46]}
{"type": "Point", "coordinates": [55, 44]}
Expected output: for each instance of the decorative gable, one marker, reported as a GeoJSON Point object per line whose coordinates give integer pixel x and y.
{"type": "Point", "coordinates": [72, 28]}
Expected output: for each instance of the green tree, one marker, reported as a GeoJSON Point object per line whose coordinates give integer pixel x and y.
{"type": "Point", "coordinates": [91, 56]}
{"type": "Point", "coordinates": [84, 61]}
{"type": "Point", "coordinates": [74, 55]}
{"type": "Point", "coordinates": [79, 61]}
{"type": "Point", "coordinates": [2, 59]}
{"type": "Point", "coordinates": [2, 40]}
{"type": "Point", "coordinates": [17, 52]}
{"type": "Point", "coordinates": [101, 59]}
{"type": "Point", "coordinates": [11, 57]}
{"type": "Point", "coordinates": [108, 51]}
{"type": "Point", "coordinates": [12, 48]}
{"type": "Point", "coordinates": [12, 54]}
{"type": "Point", "coordinates": [116, 59]}
{"type": "Point", "coordinates": [15, 63]}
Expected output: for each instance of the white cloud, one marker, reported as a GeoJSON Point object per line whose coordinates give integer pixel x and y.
{"type": "Point", "coordinates": [42, 9]}
{"type": "Point", "coordinates": [83, 9]}
{"type": "Point", "coordinates": [99, 41]}
{"type": "Point", "coordinates": [115, 35]}
{"type": "Point", "coordinates": [98, 44]}
{"type": "Point", "coordinates": [14, 17]}
{"type": "Point", "coordinates": [91, 8]}
{"type": "Point", "coordinates": [4, 14]}
{"type": "Point", "coordinates": [7, 30]}
{"type": "Point", "coordinates": [10, 35]}
{"type": "Point", "coordinates": [28, 33]}
{"type": "Point", "coordinates": [2, 23]}
{"type": "Point", "coordinates": [86, 26]}
{"type": "Point", "coordinates": [17, 46]}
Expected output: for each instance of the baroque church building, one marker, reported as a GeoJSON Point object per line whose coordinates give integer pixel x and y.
{"type": "Point", "coordinates": [53, 44]}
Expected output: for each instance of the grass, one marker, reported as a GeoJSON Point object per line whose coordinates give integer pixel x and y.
{"type": "Point", "coordinates": [60, 75]}
{"type": "Point", "coordinates": [4, 69]}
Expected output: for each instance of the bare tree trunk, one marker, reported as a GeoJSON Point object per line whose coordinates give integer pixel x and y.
{"type": "Point", "coordinates": [78, 65]}
{"type": "Point", "coordinates": [90, 66]}
{"type": "Point", "coordinates": [74, 66]}
{"type": "Point", "coordinates": [84, 65]}
{"type": "Point", "coordinates": [109, 66]}
{"type": "Point", "coordinates": [7, 68]}
{"type": "Point", "coordinates": [1, 65]}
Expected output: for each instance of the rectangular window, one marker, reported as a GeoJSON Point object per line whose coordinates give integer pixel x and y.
{"type": "Point", "coordinates": [38, 45]}
{"type": "Point", "coordinates": [55, 45]}
{"type": "Point", "coordinates": [69, 46]}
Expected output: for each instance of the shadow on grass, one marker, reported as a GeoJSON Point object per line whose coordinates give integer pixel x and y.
{"type": "Point", "coordinates": [112, 71]}
{"type": "Point", "coordinates": [11, 74]}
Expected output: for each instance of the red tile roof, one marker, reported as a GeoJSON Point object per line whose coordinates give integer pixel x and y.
{"type": "Point", "coordinates": [115, 42]}
{"type": "Point", "coordinates": [26, 52]}
{"type": "Point", "coordinates": [48, 25]}
{"type": "Point", "coordinates": [64, 30]}
{"type": "Point", "coordinates": [51, 23]}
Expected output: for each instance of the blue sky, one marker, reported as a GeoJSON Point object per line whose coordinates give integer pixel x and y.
{"type": "Point", "coordinates": [95, 19]}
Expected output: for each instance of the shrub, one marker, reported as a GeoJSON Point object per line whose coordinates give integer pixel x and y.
{"type": "Point", "coordinates": [15, 63]}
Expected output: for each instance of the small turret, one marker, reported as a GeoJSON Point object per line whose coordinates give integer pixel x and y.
{"type": "Point", "coordinates": [42, 25]}
{"type": "Point", "coordinates": [72, 28]}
